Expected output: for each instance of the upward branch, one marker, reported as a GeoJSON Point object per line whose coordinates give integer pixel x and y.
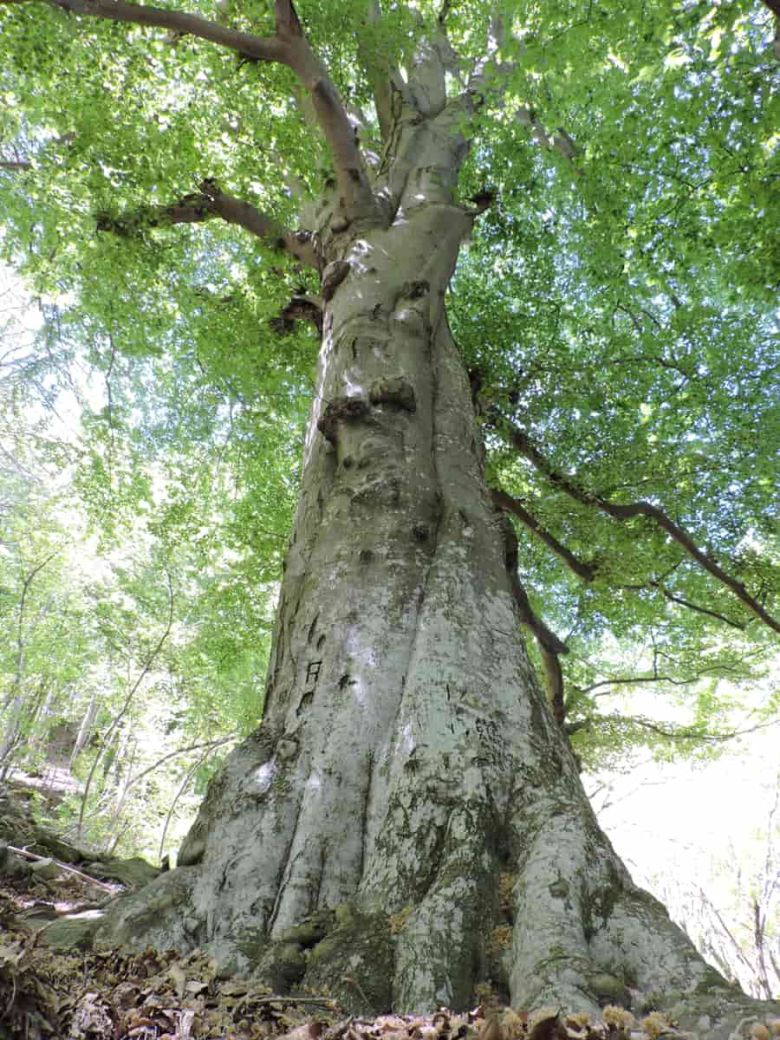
{"type": "Point", "coordinates": [620, 511]}
{"type": "Point", "coordinates": [288, 47]}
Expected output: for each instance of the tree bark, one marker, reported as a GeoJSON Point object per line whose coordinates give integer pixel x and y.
{"type": "Point", "coordinates": [408, 822]}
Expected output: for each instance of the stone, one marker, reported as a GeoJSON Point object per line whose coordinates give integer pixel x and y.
{"type": "Point", "coordinates": [46, 869]}
{"type": "Point", "coordinates": [72, 932]}
{"type": "Point", "coordinates": [11, 865]}
{"type": "Point", "coordinates": [135, 872]}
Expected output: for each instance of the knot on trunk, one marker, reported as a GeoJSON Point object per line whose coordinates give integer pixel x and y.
{"type": "Point", "coordinates": [341, 410]}
{"type": "Point", "coordinates": [415, 290]}
{"type": "Point", "coordinates": [300, 308]}
{"type": "Point", "coordinates": [332, 277]}
{"type": "Point", "coordinates": [396, 391]}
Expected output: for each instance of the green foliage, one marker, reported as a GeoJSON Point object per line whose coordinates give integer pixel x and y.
{"type": "Point", "coordinates": [616, 301]}
{"type": "Point", "coordinates": [139, 618]}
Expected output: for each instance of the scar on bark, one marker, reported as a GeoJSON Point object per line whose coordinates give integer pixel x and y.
{"type": "Point", "coordinates": [396, 391]}
{"type": "Point", "coordinates": [332, 277]}
{"type": "Point", "coordinates": [415, 290]}
{"type": "Point", "coordinates": [341, 410]}
{"type": "Point", "coordinates": [300, 308]}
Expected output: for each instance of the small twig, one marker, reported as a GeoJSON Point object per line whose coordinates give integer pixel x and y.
{"type": "Point", "coordinates": [354, 982]}
{"type": "Point", "coordinates": [291, 998]}
{"type": "Point", "coordinates": [209, 745]}
{"type": "Point", "coordinates": [123, 710]}
{"type": "Point", "coordinates": [62, 866]}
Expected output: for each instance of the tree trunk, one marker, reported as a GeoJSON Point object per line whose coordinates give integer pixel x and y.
{"type": "Point", "coordinates": [408, 822]}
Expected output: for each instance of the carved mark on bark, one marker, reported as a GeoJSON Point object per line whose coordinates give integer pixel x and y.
{"type": "Point", "coordinates": [306, 700]}
{"type": "Point", "coordinates": [312, 628]}
{"type": "Point", "coordinates": [313, 672]}
{"type": "Point", "coordinates": [435, 857]}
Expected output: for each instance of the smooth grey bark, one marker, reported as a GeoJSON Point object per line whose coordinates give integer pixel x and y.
{"type": "Point", "coordinates": [408, 822]}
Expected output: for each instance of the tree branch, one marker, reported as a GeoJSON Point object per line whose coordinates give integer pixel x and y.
{"type": "Point", "coordinates": [288, 47]}
{"type": "Point", "coordinates": [236, 211]}
{"type": "Point", "coordinates": [210, 745]}
{"type": "Point", "coordinates": [585, 570]}
{"type": "Point", "coordinates": [550, 646]}
{"type": "Point", "coordinates": [258, 48]}
{"type": "Point", "coordinates": [210, 202]}
{"type": "Point", "coordinates": [117, 719]}
{"type": "Point", "coordinates": [559, 141]}
{"type": "Point", "coordinates": [546, 638]}
{"type": "Point", "coordinates": [300, 308]}
{"type": "Point", "coordinates": [523, 443]}
{"type": "Point", "coordinates": [682, 733]}
{"type": "Point", "coordinates": [380, 79]}
{"type": "Point", "coordinates": [634, 680]}
{"type": "Point", "coordinates": [554, 676]}
{"type": "Point", "coordinates": [588, 572]}
{"type": "Point", "coordinates": [513, 505]}
{"type": "Point", "coordinates": [697, 608]}
{"type": "Point", "coordinates": [356, 196]}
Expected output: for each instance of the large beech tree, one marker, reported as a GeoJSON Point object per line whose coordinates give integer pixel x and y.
{"type": "Point", "coordinates": [408, 821]}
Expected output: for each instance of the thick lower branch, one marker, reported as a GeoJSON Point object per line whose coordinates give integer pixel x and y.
{"type": "Point", "coordinates": [288, 47]}
{"type": "Point", "coordinates": [257, 47]}
{"type": "Point", "coordinates": [554, 676]}
{"type": "Point", "coordinates": [550, 646]}
{"type": "Point", "coordinates": [236, 211]}
{"type": "Point", "coordinates": [211, 202]}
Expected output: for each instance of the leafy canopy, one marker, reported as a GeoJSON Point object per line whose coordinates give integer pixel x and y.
{"type": "Point", "coordinates": [614, 305]}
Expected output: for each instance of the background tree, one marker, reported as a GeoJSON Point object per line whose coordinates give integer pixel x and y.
{"type": "Point", "coordinates": [134, 647]}
{"type": "Point", "coordinates": [585, 278]}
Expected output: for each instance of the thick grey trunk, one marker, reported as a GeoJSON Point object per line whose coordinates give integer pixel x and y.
{"type": "Point", "coordinates": [407, 822]}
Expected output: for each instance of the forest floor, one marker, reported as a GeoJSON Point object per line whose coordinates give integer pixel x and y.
{"type": "Point", "coordinates": [52, 985]}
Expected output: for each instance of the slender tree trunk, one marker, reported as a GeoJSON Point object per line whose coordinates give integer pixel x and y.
{"type": "Point", "coordinates": [408, 822]}
{"type": "Point", "coordinates": [85, 729]}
